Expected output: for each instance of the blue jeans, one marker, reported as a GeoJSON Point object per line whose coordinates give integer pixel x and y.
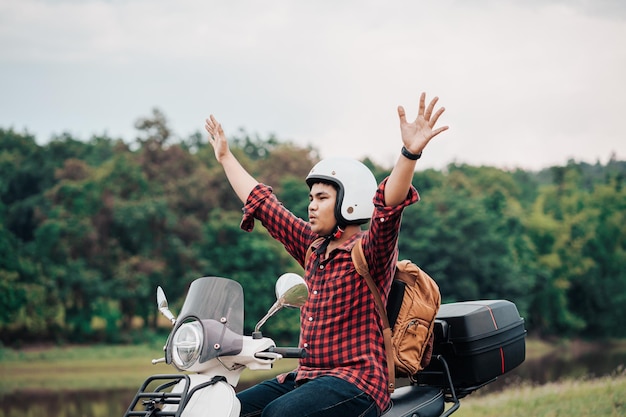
{"type": "Point", "coordinates": [323, 396]}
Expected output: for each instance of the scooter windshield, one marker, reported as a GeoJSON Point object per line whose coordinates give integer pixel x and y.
{"type": "Point", "coordinates": [214, 305]}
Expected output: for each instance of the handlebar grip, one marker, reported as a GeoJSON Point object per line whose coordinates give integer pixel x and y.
{"type": "Point", "coordinates": [289, 352]}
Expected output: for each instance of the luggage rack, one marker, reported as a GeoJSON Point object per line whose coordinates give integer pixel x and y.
{"type": "Point", "coordinates": [152, 400]}
{"type": "Point", "coordinates": [462, 392]}
{"type": "Point", "coordinates": [450, 394]}
{"type": "Point", "coordinates": [440, 376]}
{"type": "Point", "coordinates": [436, 387]}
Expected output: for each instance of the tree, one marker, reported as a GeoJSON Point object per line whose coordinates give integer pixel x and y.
{"type": "Point", "coordinates": [595, 256]}
{"type": "Point", "coordinates": [25, 173]}
{"type": "Point", "coordinates": [12, 292]}
{"type": "Point", "coordinates": [88, 229]}
{"type": "Point", "coordinates": [154, 131]}
{"type": "Point", "coordinates": [461, 238]}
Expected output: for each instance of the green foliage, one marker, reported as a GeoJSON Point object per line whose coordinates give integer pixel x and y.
{"type": "Point", "coordinates": [88, 229]}
{"type": "Point", "coordinates": [467, 238]}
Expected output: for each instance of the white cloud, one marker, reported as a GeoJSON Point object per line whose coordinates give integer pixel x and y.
{"type": "Point", "coordinates": [524, 83]}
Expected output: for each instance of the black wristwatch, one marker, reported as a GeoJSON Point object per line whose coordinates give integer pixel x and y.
{"type": "Point", "coordinates": [412, 156]}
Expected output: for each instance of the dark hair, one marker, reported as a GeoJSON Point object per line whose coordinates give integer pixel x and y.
{"type": "Point", "coordinates": [321, 181]}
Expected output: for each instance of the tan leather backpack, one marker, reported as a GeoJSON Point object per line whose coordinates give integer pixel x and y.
{"type": "Point", "coordinates": [409, 344]}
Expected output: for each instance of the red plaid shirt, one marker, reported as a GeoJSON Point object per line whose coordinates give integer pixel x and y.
{"type": "Point", "coordinates": [340, 328]}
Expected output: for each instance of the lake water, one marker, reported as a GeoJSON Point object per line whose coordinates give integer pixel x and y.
{"type": "Point", "coordinates": [574, 363]}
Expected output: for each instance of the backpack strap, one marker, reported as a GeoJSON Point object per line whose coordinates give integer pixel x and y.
{"type": "Point", "coordinates": [309, 251]}
{"type": "Point", "coordinates": [360, 264]}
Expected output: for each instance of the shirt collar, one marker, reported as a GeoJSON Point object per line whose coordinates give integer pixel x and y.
{"type": "Point", "coordinates": [345, 246]}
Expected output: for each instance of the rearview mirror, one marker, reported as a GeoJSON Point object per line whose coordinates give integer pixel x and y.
{"type": "Point", "coordinates": [291, 291]}
{"type": "Point", "coordinates": [163, 306]}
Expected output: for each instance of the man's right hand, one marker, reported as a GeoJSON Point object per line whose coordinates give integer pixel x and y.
{"type": "Point", "coordinates": [217, 139]}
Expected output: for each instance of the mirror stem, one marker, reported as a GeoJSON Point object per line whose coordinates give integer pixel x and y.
{"type": "Point", "coordinates": [277, 306]}
{"type": "Point", "coordinates": [168, 314]}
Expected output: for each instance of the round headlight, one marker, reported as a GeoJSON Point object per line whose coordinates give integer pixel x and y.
{"type": "Point", "coordinates": [187, 343]}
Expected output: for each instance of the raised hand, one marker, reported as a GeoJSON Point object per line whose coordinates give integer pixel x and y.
{"type": "Point", "coordinates": [217, 138]}
{"type": "Point", "coordinates": [417, 134]}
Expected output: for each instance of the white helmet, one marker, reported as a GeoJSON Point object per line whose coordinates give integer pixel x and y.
{"type": "Point", "coordinates": [356, 187]}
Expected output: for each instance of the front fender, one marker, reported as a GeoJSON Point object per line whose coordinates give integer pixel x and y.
{"type": "Point", "coordinates": [215, 400]}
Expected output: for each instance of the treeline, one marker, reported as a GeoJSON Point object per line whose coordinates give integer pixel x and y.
{"type": "Point", "coordinates": [88, 229]}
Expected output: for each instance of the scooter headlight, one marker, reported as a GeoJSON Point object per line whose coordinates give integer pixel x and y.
{"type": "Point", "coordinates": [187, 343]}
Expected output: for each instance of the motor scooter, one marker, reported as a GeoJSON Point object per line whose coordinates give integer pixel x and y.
{"type": "Point", "coordinates": [208, 347]}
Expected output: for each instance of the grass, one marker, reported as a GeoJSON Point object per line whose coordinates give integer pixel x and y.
{"type": "Point", "coordinates": [73, 368]}
{"type": "Point", "coordinates": [91, 367]}
{"type": "Point", "coordinates": [594, 397]}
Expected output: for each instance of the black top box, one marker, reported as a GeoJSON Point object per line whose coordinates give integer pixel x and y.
{"type": "Point", "coordinates": [480, 340]}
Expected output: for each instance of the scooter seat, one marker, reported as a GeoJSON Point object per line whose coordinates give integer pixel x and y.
{"type": "Point", "coordinates": [416, 401]}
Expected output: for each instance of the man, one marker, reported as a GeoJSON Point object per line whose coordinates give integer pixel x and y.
{"type": "Point", "coordinates": [344, 373]}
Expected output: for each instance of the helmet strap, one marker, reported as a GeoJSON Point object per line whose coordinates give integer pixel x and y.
{"type": "Point", "coordinates": [337, 233]}
{"type": "Point", "coordinates": [322, 248]}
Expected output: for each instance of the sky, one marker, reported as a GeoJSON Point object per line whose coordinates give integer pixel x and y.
{"type": "Point", "coordinates": [526, 84]}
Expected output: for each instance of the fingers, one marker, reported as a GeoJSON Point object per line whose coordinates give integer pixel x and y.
{"type": "Point", "coordinates": [213, 127]}
{"type": "Point", "coordinates": [438, 131]}
{"type": "Point", "coordinates": [433, 120]}
{"type": "Point", "coordinates": [211, 122]}
{"type": "Point", "coordinates": [421, 107]}
{"type": "Point", "coordinates": [208, 125]}
{"type": "Point", "coordinates": [424, 113]}
{"type": "Point", "coordinates": [427, 112]}
{"type": "Point", "coordinates": [402, 114]}
{"type": "Point", "coordinates": [427, 116]}
{"type": "Point", "coordinates": [431, 106]}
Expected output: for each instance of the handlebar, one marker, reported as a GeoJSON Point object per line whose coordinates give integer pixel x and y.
{"type": "Point", "coordinates": [288, 352]}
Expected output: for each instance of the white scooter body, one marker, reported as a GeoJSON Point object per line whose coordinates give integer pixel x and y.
{"type": "Point", "coordinates": [219, 399]}
{"type": "Point", "coordinates": [215, 400]}
{"type": "Point", "coordinates": [208, 346]}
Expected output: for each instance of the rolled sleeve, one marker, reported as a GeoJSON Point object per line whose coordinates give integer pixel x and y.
{"type": "Point", "coordinates": [294, 233]}
{"type": "Point", "coordinates": [257, 196]}
{"type": "Point", "coordinates": [380, 242]}
{"type": "Point", "coordinates": [389, 211]}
